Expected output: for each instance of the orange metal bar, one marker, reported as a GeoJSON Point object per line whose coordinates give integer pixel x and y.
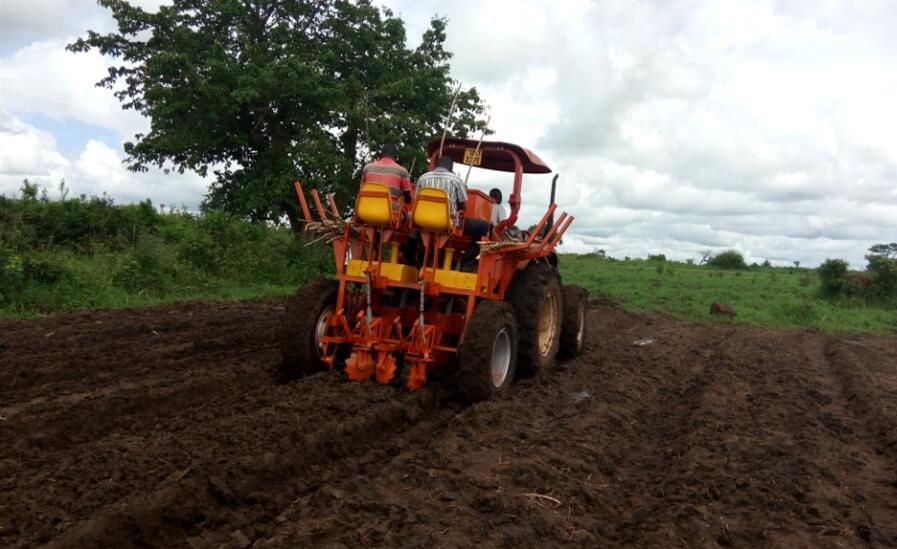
{"type": "Point", "coordinates": [560, 233]}
{"type": "Point", "coordinates": [320, 207]}
{"type": "Point", "coordinates": [552, 231]}
{"type": "Point", "coordinates": [532, 236]}
{"type": "Point", "coordinates": [332, 204]}
{"type": "Point", "coordinates": [302, 202]}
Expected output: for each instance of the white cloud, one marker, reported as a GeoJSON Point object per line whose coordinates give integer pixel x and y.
{"type": "Point", "coordinates": [25, 21]}
{"type": "Point", "coordinates": [28, 153]}
{"type": "Point", "coordinates": [763, 126]}
{"type": "Point", "coordinates": [45, 78]}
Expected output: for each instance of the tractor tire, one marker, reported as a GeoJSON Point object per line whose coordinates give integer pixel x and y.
{"type": "Point", "coordinates": [535, 294]}
{"type": "Point", "coordinates": [299, 350]}
{"type": "Point", "coordinates": [573, 323]}
{"type": "Point", "coordinates": [488, 358]}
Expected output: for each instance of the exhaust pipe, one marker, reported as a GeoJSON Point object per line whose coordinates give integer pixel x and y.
{"type": "Point", "coordinates": [554, 184]}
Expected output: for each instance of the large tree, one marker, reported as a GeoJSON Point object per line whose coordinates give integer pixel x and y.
{"type": "Point", "coordinates": [261, 92]}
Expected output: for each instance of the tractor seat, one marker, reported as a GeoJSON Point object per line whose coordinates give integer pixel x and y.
{"type": "Point", "coordinates": [375, 205]}
{"type": "Point", "coordinates": [431, 210]}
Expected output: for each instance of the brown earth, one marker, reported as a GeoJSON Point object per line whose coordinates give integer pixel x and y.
{"type": "Point", "coordinates": [162, 427]}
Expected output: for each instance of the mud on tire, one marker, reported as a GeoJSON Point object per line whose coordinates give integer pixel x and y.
{"type": "Point", "coordinates": [488, 358]}
{"type": "Point", "coordinates": [529, 294]}
{"type": "Point", "coordinates": [300, 355]}
{"type": "Point", "coordinates": [573, 321]}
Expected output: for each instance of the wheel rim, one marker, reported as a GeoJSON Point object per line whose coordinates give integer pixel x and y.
{"type": "Point", "coordinates": [582, 326]}
{"type": "Point", "coordinates": [501, 357]}
{"type": "Point", "coordinates": [548, 323]}
{"type": "Point", "coordinates": [321, 327]}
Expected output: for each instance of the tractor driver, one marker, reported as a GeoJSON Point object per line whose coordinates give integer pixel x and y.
{"type": "Point", "coordinates": [443, 178]}
{"type": "Point", "coordinates": [387, 171]}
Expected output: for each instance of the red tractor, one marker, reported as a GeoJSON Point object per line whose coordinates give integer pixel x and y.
{"type": "Point", "coordinates": [401, 323]}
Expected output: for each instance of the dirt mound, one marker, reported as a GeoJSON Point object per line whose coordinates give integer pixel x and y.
{"type": "Point", "coordinates": [162, 427]}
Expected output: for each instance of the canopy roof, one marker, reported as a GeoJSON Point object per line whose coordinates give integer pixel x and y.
{"type": "Point", "coordinates": [493, 155]}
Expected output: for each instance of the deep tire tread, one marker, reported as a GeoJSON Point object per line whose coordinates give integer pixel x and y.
{"type": "Point", "coordinates": [474, 374]}
{"type": "Point", "coordinates": [575, 297]}
{"type": "Point", "coordinates": [526, 294]}
{"type": "Point", "coordinates": [298, 348]}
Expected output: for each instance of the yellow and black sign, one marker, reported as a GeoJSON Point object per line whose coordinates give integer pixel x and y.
{"type": "Point", "coordinates": [473, 157]}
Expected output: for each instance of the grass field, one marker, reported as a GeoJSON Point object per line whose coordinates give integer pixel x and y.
{"type": "Point", "coordinates": [93, 254]}
{"type": "Point", "coordinates": [774, 297]}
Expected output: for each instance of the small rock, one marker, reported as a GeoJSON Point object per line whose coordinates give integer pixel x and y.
{"type": "Point", "coordinates": [240, 539]}
{"type": "Point", "coordinates": [717, 308]}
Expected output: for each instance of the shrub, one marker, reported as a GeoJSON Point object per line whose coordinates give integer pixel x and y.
{"type": "Point", "coordinates": [140, 269]}
{"type": "Point", "coordinates": [883, 276]}
{"type": "Point", "coordinates": [44, 271]}
{"type": "Point", "coordinates": [857, 284]}
{"type": "Point", "coordinates": [12, 276]}
{"type": "Point", "coordinates": [833, 277]}
{"type": "Point", "coordinates": [729, 259]}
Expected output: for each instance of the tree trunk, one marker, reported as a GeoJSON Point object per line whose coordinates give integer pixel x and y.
{"type": "Point", "coordinates": [295, 223]}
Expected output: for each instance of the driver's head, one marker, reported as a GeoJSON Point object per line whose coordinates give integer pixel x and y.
{"type": "Point", "coordinates": [496, 195]}
{"type": "Point", "coordinates": [446, 162]}
{"type": "Point", "coordinates": [389, 150]}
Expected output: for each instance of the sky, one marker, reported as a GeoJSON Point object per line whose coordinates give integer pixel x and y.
{"type": "Point", "coordinates": [675, 126]}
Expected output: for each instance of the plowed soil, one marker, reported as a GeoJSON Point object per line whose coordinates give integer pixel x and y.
{"type": "Point", "coordinates": [162, 427]}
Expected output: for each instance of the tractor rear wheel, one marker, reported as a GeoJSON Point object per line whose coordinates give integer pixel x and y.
{"type": "Point", "coordinates": [573, 323]}
{"type": "Point", "coordinates": [305, 321]}
{"type": "Point", "coordinates": [535, 294]}
{"type": "Point", "coordinates": [488, 359]}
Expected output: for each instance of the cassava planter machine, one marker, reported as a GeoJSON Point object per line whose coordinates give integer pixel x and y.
{"type": "Point", "coordinates": [400, 323]}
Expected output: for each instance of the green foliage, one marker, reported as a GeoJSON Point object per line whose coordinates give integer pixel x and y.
{"type": "Point", "coordinates": [140, 270]}
{"type": "Point", "coordinates": [888, 251]}
{"type": "Point", "coordinates": [84, 224]}
{"type": "Point", "coordinates": [657, 257]}
{"type": "Point", "coordinates": [772, 297]}
{"type": "Point", "coordinates": [877, 284]}
{"type": "Point", "coordinates": [882, 270]}
{"type": "Point", "coordinates": [729, 259]}
{"type": "Point", "coordinates": [97, 254]}
{"type": "Point", "coordinates": [833, 276]}
{"type": "Point", "coordinates": [263, 92]}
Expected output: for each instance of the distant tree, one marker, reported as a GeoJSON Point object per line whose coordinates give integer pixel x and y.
{"type": "Point", "coordinates": [729, 259]}
{"type": "Point", "coordinates": [766, 263]}
{"type": "Point", "coordinates": [63, 190]}
{"type": "Point", "coordinates": [657, 257]}
{"type": "Point", "coordinates": [705, 256]}
{"type": "Point", "coordinates": [833, 277]}
{"type": "Point", "coordinates": [29, 190]}
{"type": "Point", "coordinates": [882, 270]}
{"type": "Point", "coordinates": [690, 261]}
{"type": "Point", "coordinates": [886, 250]}
{"type": "Point", "coordinates": [262, 92]}
{"type": "Point", "coordinates": [797, 264]}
